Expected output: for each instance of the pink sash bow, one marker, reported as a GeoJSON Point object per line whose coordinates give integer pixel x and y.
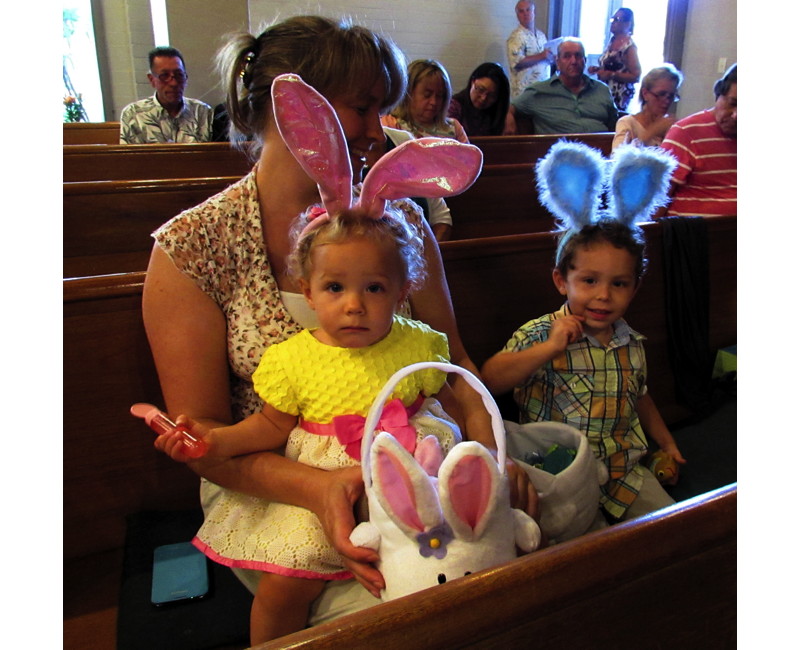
{"type": "Point", "coordinates": [349, 429]}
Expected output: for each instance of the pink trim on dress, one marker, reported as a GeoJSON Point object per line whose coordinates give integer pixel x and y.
{"type": "Point", "coordinates": [267, 567]}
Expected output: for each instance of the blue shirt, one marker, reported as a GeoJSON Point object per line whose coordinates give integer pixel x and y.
{"type": "Point", "coordinates": [555, 109]}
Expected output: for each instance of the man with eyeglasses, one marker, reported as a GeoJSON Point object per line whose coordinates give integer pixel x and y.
{"type": "Point", "coordinates": [704, 183]}
{"type": "Point", "coordinates": [167, 116]}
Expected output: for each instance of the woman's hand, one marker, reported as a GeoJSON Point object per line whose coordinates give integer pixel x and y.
{"type": "Point", "coordinates": [335, 512]}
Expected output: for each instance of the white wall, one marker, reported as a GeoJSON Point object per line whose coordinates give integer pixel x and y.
{"type": "Point", "coordinates": [459, 33]}
{"type": "Point", "coordinates": [710, 35]}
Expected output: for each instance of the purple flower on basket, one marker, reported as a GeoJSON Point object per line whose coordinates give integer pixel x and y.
{"type": "Point", "coordinates": [435, 541]}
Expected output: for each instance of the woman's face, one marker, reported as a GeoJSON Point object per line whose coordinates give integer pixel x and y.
{"type": "Point", "coordinates": [483, 93]}
{"type": "Point", "coordinates": [359, 115]}
{"type": "Point", "coordinates": [427, 100]}
{"type": "Point", "coordinates": [660, 96]}
{"type": "Point", "coordinates": [619, 25]}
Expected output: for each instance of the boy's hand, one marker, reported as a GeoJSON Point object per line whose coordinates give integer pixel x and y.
{"type": "Point", "coordinates": [566, 330]}
{"type": "Point", "coordinates": [672, 451]}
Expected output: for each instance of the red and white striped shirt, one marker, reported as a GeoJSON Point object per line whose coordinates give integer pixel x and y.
{"type": "Point", "coordinates": [706, 172]}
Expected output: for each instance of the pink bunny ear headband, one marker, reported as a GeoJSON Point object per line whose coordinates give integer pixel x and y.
{"type": "Point", "coordinates": [427, 167]}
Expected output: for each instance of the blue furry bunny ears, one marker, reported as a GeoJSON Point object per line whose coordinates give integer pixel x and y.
{"type": "Point", "coordinates": [572, 179]}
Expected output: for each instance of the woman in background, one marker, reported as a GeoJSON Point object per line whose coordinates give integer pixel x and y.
{"type": "Point", "coordinates": [423, 111]}
{"type": "Point", "coordinates": [481, 107]}
{"type": "Point", "coordinates": [619, 64]}
{"type": "Point", "coordinates": [649, 125]}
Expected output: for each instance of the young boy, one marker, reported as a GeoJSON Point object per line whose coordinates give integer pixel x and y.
{"type": "Point", "coordinates": [584, 366]}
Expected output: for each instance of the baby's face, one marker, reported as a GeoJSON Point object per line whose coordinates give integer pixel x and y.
{"type": "Point", "coordinates": [355, 287]}
{"type": "Point", "coordinates": [599, 286]}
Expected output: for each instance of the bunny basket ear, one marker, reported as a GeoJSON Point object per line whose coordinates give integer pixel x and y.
{"type": "Point", "coordinates": [371, 421]}
{"type": "Point", "coordinates": [571, 179]}
{"type": "Point", "coordinates": [639, 181]}
{"type": "Point", "coordinates": [310, 128]}
{"type": "Point", "coordinates": [425, 167]}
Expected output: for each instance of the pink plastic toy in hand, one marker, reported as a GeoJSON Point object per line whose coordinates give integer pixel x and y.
{"type": "Point", "coordinates": [158, 421]}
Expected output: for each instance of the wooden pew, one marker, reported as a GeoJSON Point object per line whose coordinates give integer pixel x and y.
{"type": "Point", "coordinates": [511, 149]}
{"type": "Point", "coordinates": [110, 468]}
{"type": "Point", "coordinates": [502, 201]}
{"type": "Point", "coordinates": [107, 224]}
{"type": "Point", "coordinates": [153, 161]}
{"type": "Point", "coordinates": [673, 573]}
{"type": "Point", "coordinates": [91, 133]}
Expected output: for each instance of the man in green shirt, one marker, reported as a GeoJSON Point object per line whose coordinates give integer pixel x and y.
{"type": "Point", "coordinates": [568, 102]}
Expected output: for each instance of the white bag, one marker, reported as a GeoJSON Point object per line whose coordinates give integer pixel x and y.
{"type": "Point", "coordinates": [568, 501]}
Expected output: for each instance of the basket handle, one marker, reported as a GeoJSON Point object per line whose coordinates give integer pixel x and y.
{"type": "Point", "coordinates": [376, 410]}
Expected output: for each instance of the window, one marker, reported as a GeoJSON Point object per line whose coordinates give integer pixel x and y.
{"type": "Point", "coordinates": [81, 75]}
{"type": "Point", "coordinates": [590, 21]}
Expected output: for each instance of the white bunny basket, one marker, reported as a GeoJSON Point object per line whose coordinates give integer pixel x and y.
{"type": "Point", "coordinates": [434, 519]}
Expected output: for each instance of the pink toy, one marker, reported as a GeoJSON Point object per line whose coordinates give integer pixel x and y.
{"type": "Point", "coordinates": [427, 167]}
{"type": "Point", "coordinates": [434, 519]}
{"type": "Point", "coordinates": [159, 422]}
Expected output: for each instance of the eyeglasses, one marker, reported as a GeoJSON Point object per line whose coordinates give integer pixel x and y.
{"type": "Point", "coordinates": [619, 19]}
{"type": "Point", "coordinates": [179, 76]}
{"type": "Point", "coordinates": [480, 91]}
{"type": "Point", "coordinates": [664, 94]}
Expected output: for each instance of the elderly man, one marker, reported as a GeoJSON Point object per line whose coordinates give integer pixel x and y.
{"type": "Point", "coordinates": [704, 183]}
{"type": "Point", "coordinates": [569, 102]}
{"type": "Point", "coordinates": [528, 59]}
{"type": "Point", "coordinates": [167, 116]}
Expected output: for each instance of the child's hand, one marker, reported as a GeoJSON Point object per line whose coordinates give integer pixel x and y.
{"type": "Point", "coordinates": [188, 441]}
{"type": "Point", "coordinates": [672, 451]}
{"type": "Point", "coordinates": [522, 492]}
{"type": "Point", "coordinates": [566, 330]}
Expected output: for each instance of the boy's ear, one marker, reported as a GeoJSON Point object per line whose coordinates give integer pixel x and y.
{"type": "Point", "coordinates": [560, 281]}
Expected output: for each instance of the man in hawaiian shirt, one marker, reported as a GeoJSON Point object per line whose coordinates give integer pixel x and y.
{"type": "Point", "coordinates": [167, 116]}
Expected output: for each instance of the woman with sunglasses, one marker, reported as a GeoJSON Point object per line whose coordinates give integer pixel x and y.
{"type": "Point", "coordinates": [619, 66]}
{"type": "Point", "coordinates": [648, 127]}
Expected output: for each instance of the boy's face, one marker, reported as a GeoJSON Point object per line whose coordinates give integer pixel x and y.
{"type": "Point", "coordinates": [599, 286]}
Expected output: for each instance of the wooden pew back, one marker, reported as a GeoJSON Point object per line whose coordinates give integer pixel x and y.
{"type": "Point", "coordinates": [673, 573]}
{"type": "Point", "coordinates": [504, 199]}
{"type": "Point", "coordinates": [512, 149]}
{"type": "Point", "coordinates": [91, 133]}
{"type": "Point", "coordinates": [153, 161]}
{"type": "Point", "coordinates": [107, 224]}
{"type": "Point", "coordinates": [110, 467]}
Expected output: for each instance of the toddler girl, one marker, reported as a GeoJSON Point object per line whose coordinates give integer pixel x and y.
{"type": "Point", "coordinates": [355, 273]}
